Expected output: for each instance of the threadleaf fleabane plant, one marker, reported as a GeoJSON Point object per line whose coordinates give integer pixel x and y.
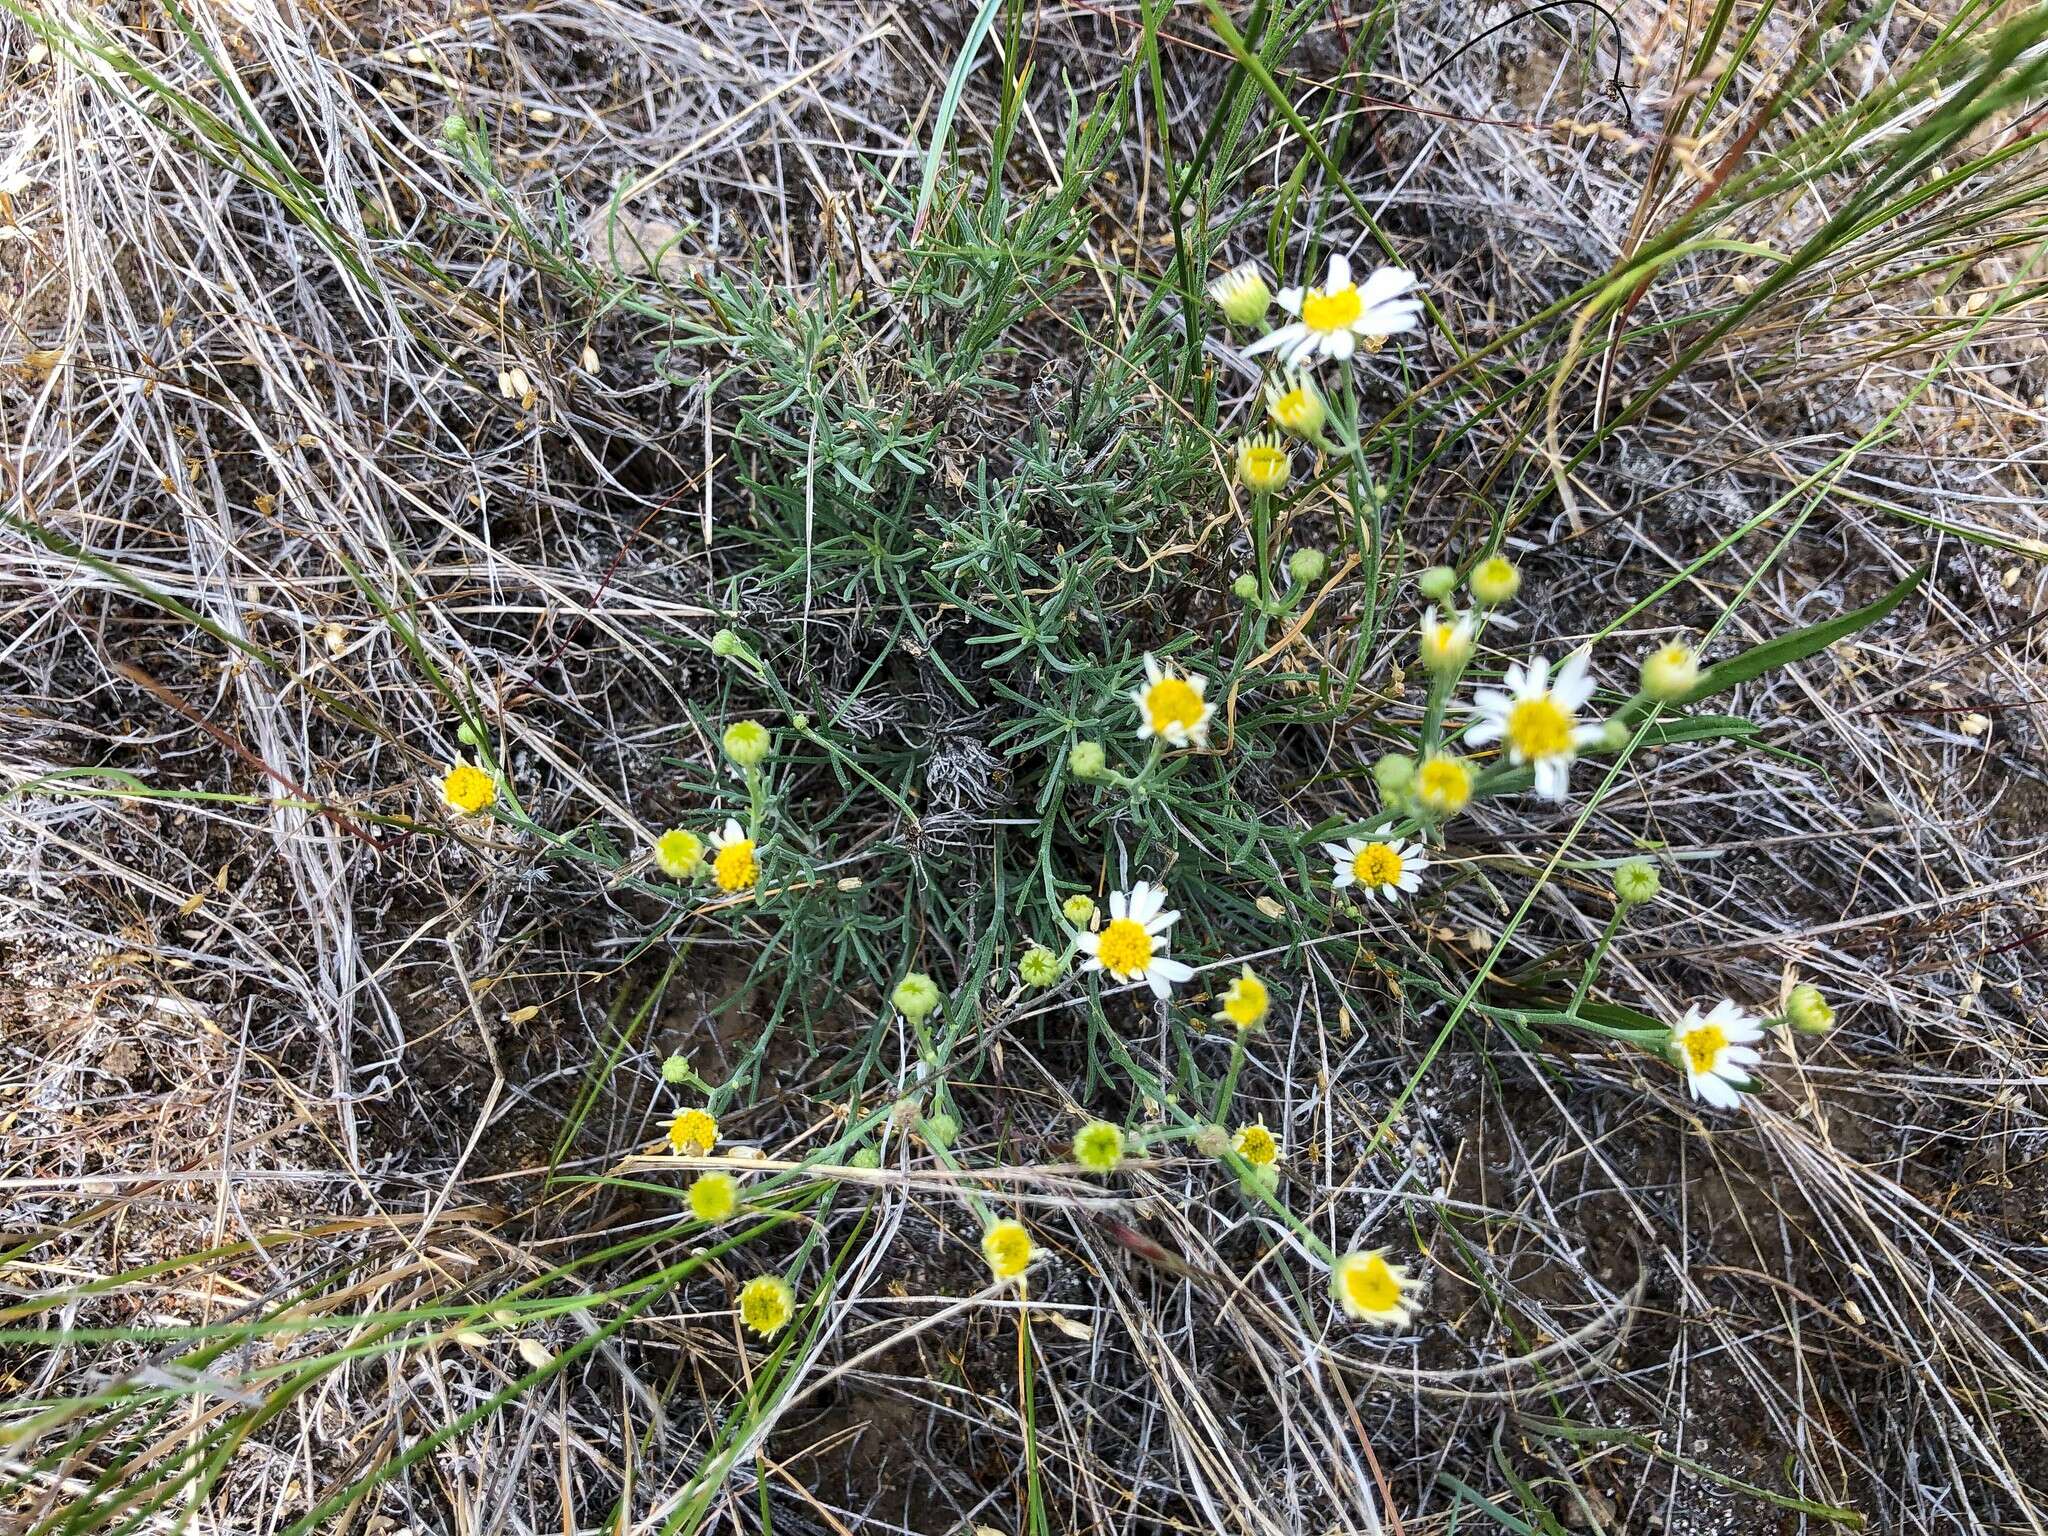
{"type": "Point", "coordinates": [1131, 946]}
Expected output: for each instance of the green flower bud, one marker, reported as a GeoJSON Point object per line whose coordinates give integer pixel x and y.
{"type": "Point", "coordinates": [1614, 735]}
{"type": "Point", "coordinates": [1263, 1177]}
{"type": "Point", "coordinates": [941, 1130]}
{"type": "Point", "coordinates": [1087, 760]}
{"type": "Point", "coordinates": [865, 1157]}
{"type": "Point", "coordinates": [1670, 671]}
{"type": "Point", "coordinates": [1212, 1141]}
{"type": "Point", "coordinates": [1635, 882]}
{"type": "Point", "coordinates": [1394, 774]}
{"type": "Point", "coordinates": [1308, 566]}
{"type": "Point", "coordinates": [675, 1070]}
{"type": "Point", "coordinates": [1078, 909]}
{"type": "Point", "coordinates": [1245, 588]}
{"type": "Point", "coordinates": [915, 997]}
{"type": "Point", "coordinates": [1437, 583]}
{"type": "Point", "coordinates": [726, 643]}
{"type": "Point", "coordinates": [1040, 967]}
{"type": "Point", "coordinates": [1808, 1012]}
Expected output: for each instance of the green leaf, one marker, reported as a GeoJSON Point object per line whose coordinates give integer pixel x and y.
{"type": "Point", "coordinates": [949, 104]}
{"type": "Point", "coordinates": [1798, 645]}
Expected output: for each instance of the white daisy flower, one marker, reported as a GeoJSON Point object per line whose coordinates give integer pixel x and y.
{"type": "Point", "coordinates": [1333, 320]}
{"type": "Point", "coordinates": [1385, 869]}
{"type": "Point", "coordinates": [1131, 946]}
{"type": "Point", "coordinates": [1538, 719]}
{"type": "Point", "coordinates": [1171, 707]}
{"type": "Point", "coordinates": [1713, 1051]}
{"type": "Point", "coordinates": [1370, 1290]}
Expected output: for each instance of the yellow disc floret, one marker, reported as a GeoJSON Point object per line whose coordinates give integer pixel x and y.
{"type": "Point", "coordinates": [1377, 864]}
{"type": "Point", "coordinates": [1245, 1001]}
{"type": "Point", "coordinates": [1540, 727]}
{"type": "Point", "coordinates": [1332, 311]}
{"type": "Point", "coordinates": [1257, 1146]}
{"type": "Point", "coordinates": [468, 789]}
{"type": "Point", "coordinates": [1443, 785]}
{"type": "Point", "coordinates": [693, 1133]}
{"type": "Point", "coordinates": [767, 1304]}
{"type": "Point", "coordinates": [1703, 1045]}
{"type": "Point", "coordinates": [1125, 947]}
{"type": "Point", "coordinates": [1008, 1248]}
{"type": "Point", "coordinates": [736, 868]}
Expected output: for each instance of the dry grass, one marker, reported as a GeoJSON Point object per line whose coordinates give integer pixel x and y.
{"type": "Point", "coordinates": [300, 473]}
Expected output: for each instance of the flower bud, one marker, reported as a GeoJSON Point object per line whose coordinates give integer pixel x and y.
{"type": "Point", "coordinates": [1087, 760]}
{"type": "Point", "coordinates": [1394, 774]}
{"type": "Point", "coordinates": [1263, 463]}
{"type": "Point", "coordinates": [1437, 583]}
{"type": "Point", "coordinates": [941, 1130]}
{"type": "Point", "coordinates": [1245, 588]}
{"type": "Point", "coordinates": [1242, 295]}
{"type": "Point", "coordinates": [675, 1069]}
{"type": "Point", "coordinates": [1635, 882]}
{"type": "Point", "coordinates": [1308, 566]}
{"type": "Point", "coordinates": [725, 643]}
{"type": "Point", "coordinates": [747, 743]}
{"type": "Point", "coordinates": [1495, 581]}
{"type": "Point", "coordinates": [1808, 1012]}
{"type": "Point", "coordinates": [864, 1157]}
{"type": "Point", "coordinates": [1099, 1147]}
{"type": "Point", "coordinates": [1670, 671]}
{"type": "Point", "coordinates": [915, 997]}
{"type": "Point", "coordinates": [1040, 967]}
{"type": "Point", "coordinates": [1296, 406]}
{"type": "Point", "coordinates": [1078, 909]}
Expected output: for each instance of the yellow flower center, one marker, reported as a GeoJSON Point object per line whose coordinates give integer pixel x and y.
{"type": "Point", "coordinates": [1292, 408]}
{"type": "Point", "coordinates": [1443, 785]}
{"type": "Point", "coordinates": [1371, 1285]}
{"type": "Point", "coordinates": [468, 788]}
{"type": "Point", "coordinates": [678, 853]}
{"type": "Point", "coordinates": [693, 1133]}
{"type": "Point", "coordinates": [736, 868]}
{"type": "Point", "coordinates": [1255, 1144]}
{"type": "Point", "coordinates": [1172, 701]}
{"type": "Point", "coordinates": [1245, 1003]}
{"type": "Point", "coordinates": [1376, 864]}
{"type": "Point", "coordinates": [1703, 1046]}
{"type": "Point", "coordinates": [1125, 947]}
{"type": "Point", "coordinates": [1333, 311]}
{"type": "Point", "coordinates": [765, 1304]}
{"type": "Point", "coordinates": [1263, 465]}
{"type": "Point", "coordinates": [1538, 728]}
{"type": "Point", "coordinates": [1008, 1249]}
